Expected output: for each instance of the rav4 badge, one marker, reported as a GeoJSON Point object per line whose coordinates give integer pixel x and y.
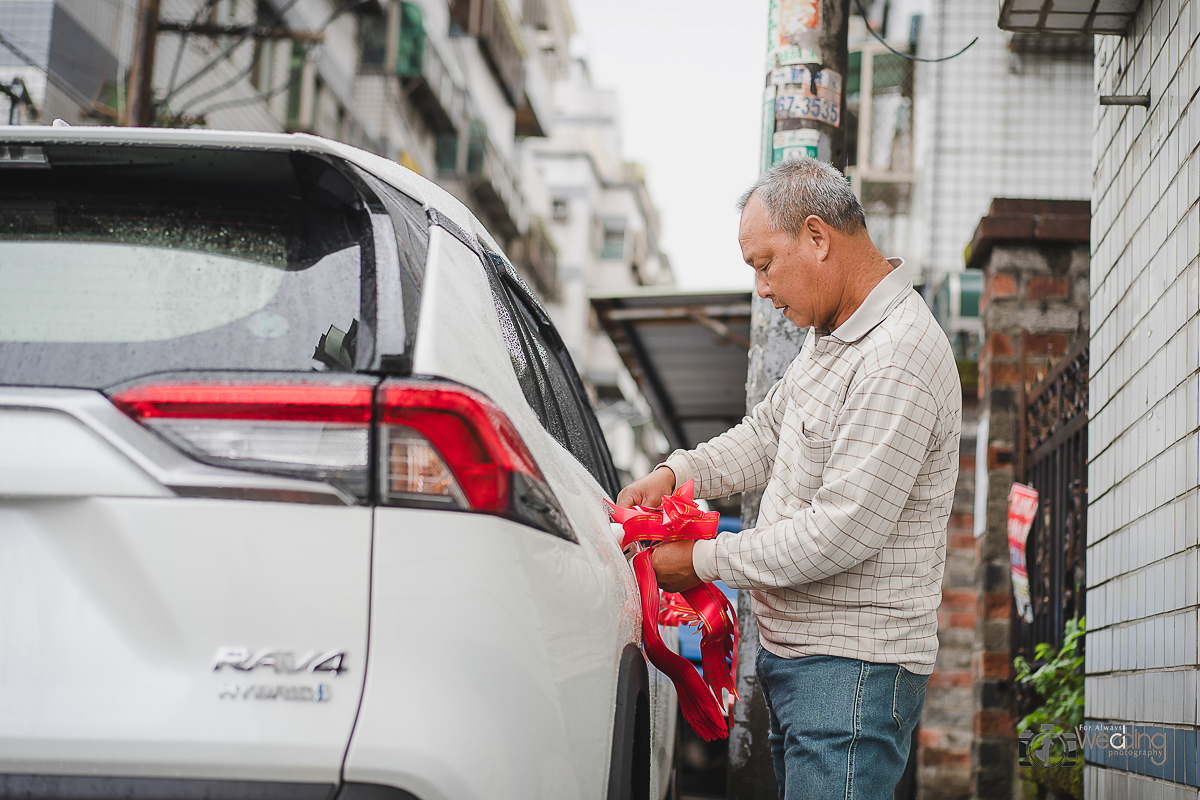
{"type": "Point", "coordinates": [284, 662]}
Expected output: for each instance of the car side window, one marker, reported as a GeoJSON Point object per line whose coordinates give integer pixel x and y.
{"type": "Point", "coordinates": [548, 378]}
{"type": "Point", "coordinates": [412, 243]}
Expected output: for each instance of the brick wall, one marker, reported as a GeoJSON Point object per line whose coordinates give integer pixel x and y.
{"type": "Point", "coordinates": [944, 743]}
{"type": "Point", "coordinates": [1034, 306]}
{"type": "Point", "coordinates": [1143, 440]}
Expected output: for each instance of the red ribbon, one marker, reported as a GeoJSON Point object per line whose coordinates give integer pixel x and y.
{"type": "Point", "coordinates": [680, 519]}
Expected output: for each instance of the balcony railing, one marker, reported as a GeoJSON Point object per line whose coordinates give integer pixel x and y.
{"type": "Point", "coordinates": [432, 90]}
{"type": "Point", "coordinates": [487, 174]}
{"type": "Point", "coordinates": [534, 109]}
{"type": "Point", "coordinates": [537, 257]}
{"type": "Point", "coordinates": [499, 38]}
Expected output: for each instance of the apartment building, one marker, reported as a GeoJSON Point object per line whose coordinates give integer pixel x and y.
{"type": "Point", "coordinates": [607, 232]}
{"type": "Point", "coordinates": [480, 96]}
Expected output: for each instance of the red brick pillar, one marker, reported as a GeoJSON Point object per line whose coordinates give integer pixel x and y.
{"type": "Point", "coordinates": [1035, 258]}
{"type": "Point", "coordinates": [944, 744]}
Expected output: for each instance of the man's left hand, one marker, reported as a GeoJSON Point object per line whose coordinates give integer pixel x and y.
{"type": "Point", "coordinates": [672, 562]}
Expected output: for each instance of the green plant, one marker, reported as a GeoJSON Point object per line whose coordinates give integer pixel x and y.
{"type": "Point", "coordinates": [1059, 682]}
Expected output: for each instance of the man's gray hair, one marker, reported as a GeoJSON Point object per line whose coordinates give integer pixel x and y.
{"type": "Point", "coordinates": [792, 190]}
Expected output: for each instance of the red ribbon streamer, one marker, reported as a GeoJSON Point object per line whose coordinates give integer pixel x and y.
{"type": "Point", "coordinates": [680, 519]}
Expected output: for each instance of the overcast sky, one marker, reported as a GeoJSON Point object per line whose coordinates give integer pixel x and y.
{"type": "Point", "coordinates": [689, 77]}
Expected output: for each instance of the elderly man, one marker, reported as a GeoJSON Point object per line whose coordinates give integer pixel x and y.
{"type": "Point", "coordinates": [857, 448]}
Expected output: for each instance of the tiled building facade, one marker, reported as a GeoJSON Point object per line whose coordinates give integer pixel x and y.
{"type": "Point", "coordinates": [1007, 118]}
{"type": "Point", "coordinates": [1143, 439]}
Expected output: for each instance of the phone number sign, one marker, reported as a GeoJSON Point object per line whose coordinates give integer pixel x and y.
{"type": "Point", "coordinates": [795, 98]}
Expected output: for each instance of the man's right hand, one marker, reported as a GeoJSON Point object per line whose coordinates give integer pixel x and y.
{"type": "Point", "coordinates": [648, 490]}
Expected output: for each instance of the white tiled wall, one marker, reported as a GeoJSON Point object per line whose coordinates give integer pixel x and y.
{"type": "Point", "coordinates": [1109, 783]}
{"type": "Point", "coordinates": [1142, 562]}
{"type": "Point", "coordinates": [992, 123]}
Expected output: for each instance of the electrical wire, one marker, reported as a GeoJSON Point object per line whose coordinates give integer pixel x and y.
{"type": "Point", "coordinates": [221, 56]}
{"type": "Point", "coordinates": [59, 57]}
{"type": "Point", "coordinates": [183, 38]}
{"type": "Point", "coordinates": [242, 73]}
{"type": "Point", "coordinates": [863, 13]}
{"type": "Point", "coordinates": [261, 97]}
{"type": "Point", "coordinates": [271, 94]}
{"type": "Point", "coordinates": [50, 74]}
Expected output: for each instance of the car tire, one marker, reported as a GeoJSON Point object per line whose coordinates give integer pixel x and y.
{"type": "Point", "coordinates": [629, 773]}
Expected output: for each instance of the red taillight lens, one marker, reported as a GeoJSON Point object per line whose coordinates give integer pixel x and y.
{"type": "Point", "coordinates": [279, 403]}
{"type": "Point", "coordinates": [440, 445]}
{"type": "Point", "coordinates": [475, 439]}
{"type": "Point", "coordinates": [465, 450]}
{"type": "Point", "coordinates": [309, 431]}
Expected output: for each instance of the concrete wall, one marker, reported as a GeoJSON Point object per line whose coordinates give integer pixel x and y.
{"type": "Point", "coordinates": [1143, 440]}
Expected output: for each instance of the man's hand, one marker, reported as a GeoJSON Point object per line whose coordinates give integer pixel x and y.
{"type": "Point", "coordinates": [672, 562]}
{"type": "Point", "coordinates": [648, 490]}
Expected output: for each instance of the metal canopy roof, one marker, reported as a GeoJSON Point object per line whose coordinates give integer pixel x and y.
{"type": "Point", "coordinates": [1067, 16]}
{"type": "Point", "coordinates": [687, 352]}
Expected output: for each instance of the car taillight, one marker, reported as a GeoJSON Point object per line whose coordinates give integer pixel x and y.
{"type": "Point", "coordinates": [297, 430]}
{"type": "Point", "coordinates": [440, 445]}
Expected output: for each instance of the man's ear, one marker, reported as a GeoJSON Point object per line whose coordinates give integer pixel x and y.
{"type": "Point", "coordinates": [818, 232]}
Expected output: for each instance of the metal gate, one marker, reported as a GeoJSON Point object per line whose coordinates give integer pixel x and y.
{"type": "Point", "coordinates": [1054, 461]}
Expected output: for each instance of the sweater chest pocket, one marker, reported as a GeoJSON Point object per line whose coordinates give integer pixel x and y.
{"type": "Point", "coordinates": [812, 455]}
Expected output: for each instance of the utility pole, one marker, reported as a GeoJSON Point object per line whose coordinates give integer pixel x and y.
{"type": "Point", "coordinates": [803, 109]}
{"type": "Point", "coordinates": [140, 110]}
{"type": "Point", "coordinates": [18, 95]}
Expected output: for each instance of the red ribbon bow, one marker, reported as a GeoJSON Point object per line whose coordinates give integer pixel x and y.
{"type": "Point", "coordinates": [680, 519]}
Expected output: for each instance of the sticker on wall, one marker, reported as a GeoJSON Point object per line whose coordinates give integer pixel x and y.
{"type": "Point", "coordinates": [1022, 506]}
{"type": "Point", "coordinates": [795, 144]}
{"type": "Point", "coordinates": [792, 32]}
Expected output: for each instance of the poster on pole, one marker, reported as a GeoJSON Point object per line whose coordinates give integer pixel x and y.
{"type": "Point", "coordinates": [767, 151]}
{"type": "Point", "coordinates": [796, 143]}
{"type": "Point", "coordinates": [1022, 506]}
{"type": "Point", "coordinates": [818, 99]}
{"type": "Point", "coordinates": [792, 31]}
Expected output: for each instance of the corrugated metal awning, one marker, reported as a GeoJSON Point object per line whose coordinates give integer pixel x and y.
{"type": "Point", "coordinates": [1067, 16]}
{"type": "Point", "coordinates": [687, 352]}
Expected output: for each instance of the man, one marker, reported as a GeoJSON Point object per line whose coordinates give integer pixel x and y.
{"type": "Point", "coordinates": [857, 446]}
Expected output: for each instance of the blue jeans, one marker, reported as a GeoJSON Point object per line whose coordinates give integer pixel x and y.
{"type": "Point", "coordinates": [840, 728]}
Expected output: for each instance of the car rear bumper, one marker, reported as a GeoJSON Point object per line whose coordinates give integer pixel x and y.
{"type": "Point", "coordinates": [91, 787]}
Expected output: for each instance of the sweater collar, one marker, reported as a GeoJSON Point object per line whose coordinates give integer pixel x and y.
{"type": "Point", "coordinates": [886, 295]}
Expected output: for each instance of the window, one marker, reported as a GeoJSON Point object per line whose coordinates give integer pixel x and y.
{"type": "Point", "coordinates": [613, 244]}
{"type": "Point", "coordinates": [128, 261]}
{"type": "Point", "coordinates": [262, 73]}
{"type": "Point", "coordinates": [295, 97]}
{"type": "Point", "coordinates": [410, 44]}
{"type": "Point", "coordinates": [372, 40]}
{"type": "Point", "coordinates": [547, 376]}
{"type": "Point", "coordinates": [412, 243]}
{"type": "Point", "coordinates": [446, 153]}
{"type": "Point", "coordinates": [560, 209]}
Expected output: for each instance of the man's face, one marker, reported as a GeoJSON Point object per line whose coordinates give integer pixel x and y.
{"type": "Point", "coordinates": [790, 271]}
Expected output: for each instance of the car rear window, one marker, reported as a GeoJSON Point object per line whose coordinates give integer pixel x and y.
{"type": "Point", "coordinates": [118, 262]}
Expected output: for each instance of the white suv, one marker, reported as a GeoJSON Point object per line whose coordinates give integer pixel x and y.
{"type": "Point", "coordinates": [300, 494]}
